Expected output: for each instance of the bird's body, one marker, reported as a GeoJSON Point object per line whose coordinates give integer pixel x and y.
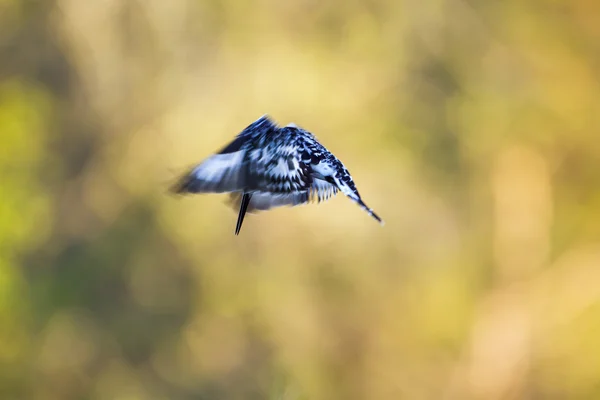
{"type": "Point", "coordinates": [268, 166]}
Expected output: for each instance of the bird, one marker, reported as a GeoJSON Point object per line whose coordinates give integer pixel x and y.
{"type": "Point", "coordinates": [268, 166]}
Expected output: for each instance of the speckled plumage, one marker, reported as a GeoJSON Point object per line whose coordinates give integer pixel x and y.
{"type": "Point", "coordinates": [268, 166]}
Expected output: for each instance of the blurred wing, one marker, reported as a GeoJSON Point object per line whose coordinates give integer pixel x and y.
{"type": "Point", "coordinates": [217, 174]}
{"type": "Point", "coordinates": [226, 170]}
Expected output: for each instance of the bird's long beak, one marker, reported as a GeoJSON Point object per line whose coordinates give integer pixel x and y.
{"type": "Point", "coordinates": [370, 211]}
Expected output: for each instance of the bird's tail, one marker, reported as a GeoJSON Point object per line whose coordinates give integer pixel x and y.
{"type": "Point", "coordinates": [243, 208]}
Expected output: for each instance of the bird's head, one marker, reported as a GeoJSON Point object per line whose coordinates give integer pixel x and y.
{"type": "Point", "coordinates": [334, 172]}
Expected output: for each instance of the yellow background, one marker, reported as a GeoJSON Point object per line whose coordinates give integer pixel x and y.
{"type": "Point", "coordinates": [471, 127]}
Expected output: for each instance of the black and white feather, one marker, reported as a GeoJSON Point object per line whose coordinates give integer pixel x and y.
{"type": "Point", "coordinates": [268, 166]}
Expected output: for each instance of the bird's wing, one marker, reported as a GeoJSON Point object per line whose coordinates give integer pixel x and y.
{"type": "Point", "coordinates": [225, 171]}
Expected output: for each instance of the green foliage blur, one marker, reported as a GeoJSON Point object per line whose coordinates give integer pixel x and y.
{"type": "Point", "coordinates": [472, 127]}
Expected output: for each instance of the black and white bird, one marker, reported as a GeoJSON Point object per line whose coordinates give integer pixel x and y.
{"type": "Point", "coordinates": [268, 166]}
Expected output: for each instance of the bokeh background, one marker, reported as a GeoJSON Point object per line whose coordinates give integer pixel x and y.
{"type": "Point", "coordinates": [470, 126]}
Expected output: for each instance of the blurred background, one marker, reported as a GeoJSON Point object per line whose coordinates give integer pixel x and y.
{"type": "Point", "coordinates": [470, 126]}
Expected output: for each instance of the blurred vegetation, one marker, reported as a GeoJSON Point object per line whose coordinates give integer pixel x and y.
{"type": "Point", "coordinates": [471, 127]}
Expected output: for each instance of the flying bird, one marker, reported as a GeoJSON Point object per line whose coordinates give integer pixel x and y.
{"type": "Point", "coordinates": [268, 166]}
